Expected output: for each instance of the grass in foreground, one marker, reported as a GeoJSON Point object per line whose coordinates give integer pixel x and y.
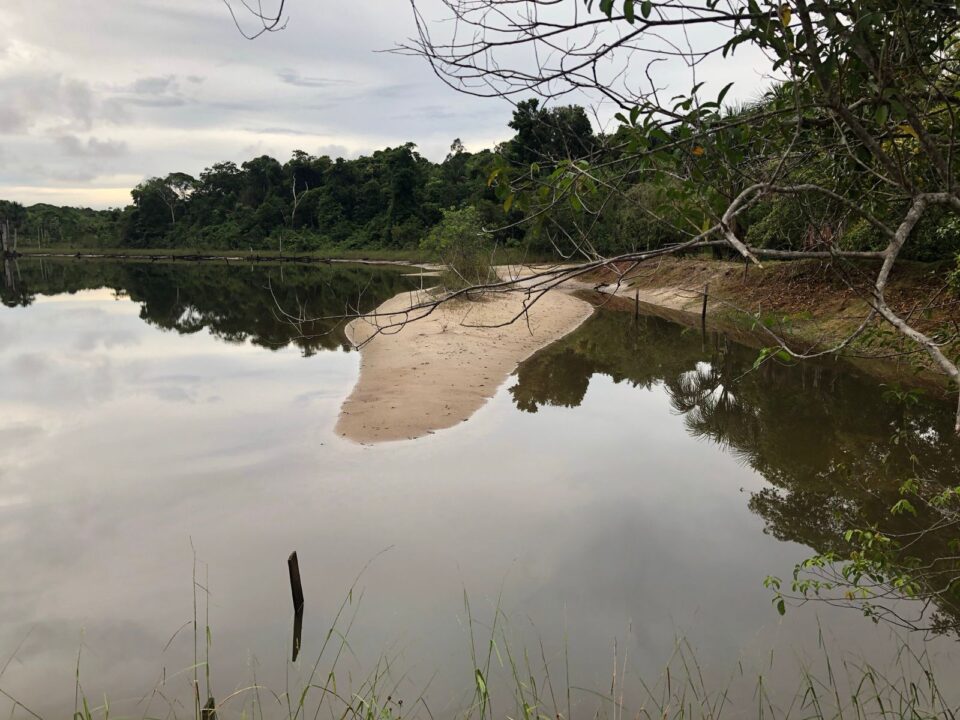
{"type": "Point", "coordinates": [528, 684]}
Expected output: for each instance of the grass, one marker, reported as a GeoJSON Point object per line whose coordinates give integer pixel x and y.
{"type": "Point", "coordinates": [528, 683]}
{"type": "Point", "coordinates": [813, 306]}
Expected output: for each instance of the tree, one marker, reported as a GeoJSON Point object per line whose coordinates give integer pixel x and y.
{"type": "Point", "coordinates": [866, 89]}
{"type": "Point", "coordinates": [181, 185]}
{"type": "Point", "coordinates": [545, 136]}
{"type": "Point", "coordinates": [12, 213]}
{"type": "Point", "coordinates": [459, 242]}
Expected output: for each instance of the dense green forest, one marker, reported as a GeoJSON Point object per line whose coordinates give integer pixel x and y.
{"type": "Point", "coordinates": [388, 200]}
{"type": "Point", "coordinates": [391, 200]}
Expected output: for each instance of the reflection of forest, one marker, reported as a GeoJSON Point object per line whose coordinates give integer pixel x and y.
{"type": "Point", "coordinates": [821, 434]}
{"type": "Point", "coordinates": [234, 302]}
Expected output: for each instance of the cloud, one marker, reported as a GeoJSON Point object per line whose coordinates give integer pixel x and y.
{"type": "Point", "coordinates": [154, 85]}
{"type": "Point", "coordinates": [12, 121]}
{"type": "Point", "coordinates": [153, 102]}
{"type": "Point", "coordinates": [277, 131]}
{"type": "Point", "coordinates": [104, 95]}
{"type": "Point", "coordinates": [73, 146]}
{"type": "Point", "coordinates": [293, 77]}
{"type": "Point", "coordinates": [336, 151]}
{"type": "Point", "coordinates": [35, 100]}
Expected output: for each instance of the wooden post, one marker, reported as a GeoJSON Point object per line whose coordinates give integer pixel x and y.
{"type": "Point", "coordinates": [297, 632]}
{"type": "Point", "coordinates": [703, 313]}
{"type": "Point", "coordinates": [295, 586]}
{"type": "Point", "coordinates": [297, 590]}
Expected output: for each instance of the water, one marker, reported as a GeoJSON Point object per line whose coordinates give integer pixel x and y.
{"type": "Point", "coordinates": [631, 485]}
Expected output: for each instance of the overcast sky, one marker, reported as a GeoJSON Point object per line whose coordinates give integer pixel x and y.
{"type": "Point", "coordinates": [94, 97]}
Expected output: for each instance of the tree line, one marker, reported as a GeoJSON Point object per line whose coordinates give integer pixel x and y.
{"type": "Point", "coordinates": [393, 198]}
{"type": "Point", "coordinates": [387, 200]}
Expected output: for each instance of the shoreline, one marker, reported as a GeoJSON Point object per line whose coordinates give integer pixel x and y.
{"type": "Point", "coordinates": [256, 257]}
{"type": "Point", "coordinates": [437, 371]}
{"type": "Point", "coordinates": [668, 296]}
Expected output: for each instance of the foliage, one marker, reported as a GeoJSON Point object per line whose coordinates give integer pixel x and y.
{"type": "Point", "coordinates": [857, 125]}
{"type": "Point", "coordinates": [509, 678]}
{"type": "Point", "coordinates": [545, 135]}
{"type": "Point", "coordinates": [42, 225]}
{"type": "Point", "coordinates": [388, 200]}
{"type": "Point", "coordinates": [879, 564]}
{"type": "Point", "coordinates": [463, 247]}
{"type": "Point", "coordinates": [819, 434]}
{"type": "Point", "coordinates": [231, 305]}
{"type": "Point", "coordinates": [393, 198]}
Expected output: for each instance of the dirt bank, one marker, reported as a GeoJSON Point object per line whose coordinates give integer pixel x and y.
{"type": "Point", "coordinates": [438, 371]}
{"type": "Point", "coordinates": [812, 304]}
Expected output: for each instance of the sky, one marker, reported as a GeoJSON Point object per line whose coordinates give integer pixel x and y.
{"type": "Point", "coordinates": [96, 97]}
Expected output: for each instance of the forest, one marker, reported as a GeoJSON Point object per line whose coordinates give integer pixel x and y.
{"type": "Point", "coordinates": [390, 200]}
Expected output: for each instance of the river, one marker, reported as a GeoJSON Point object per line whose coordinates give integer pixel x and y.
{"type": "Point", "coordinates": [625, 493]}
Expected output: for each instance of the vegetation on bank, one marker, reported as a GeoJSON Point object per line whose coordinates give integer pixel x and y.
{"type": "Point", "coordinates": [865, 478]}
{"type": "Point", "coordinates": [808, 303]}
{"type": "Point", "coordinates": [372, 254]}
{"type": "Point", "coordinates": [508, 679]}
{"type": "Point", "coordinates": [386, 201]}
{"type": "Point", "coordinates": [388, 204]}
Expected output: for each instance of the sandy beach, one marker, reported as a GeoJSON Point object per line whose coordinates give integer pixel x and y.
{"type": "Point", "coordinates": [436, 372]}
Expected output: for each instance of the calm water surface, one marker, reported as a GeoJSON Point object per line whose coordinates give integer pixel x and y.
{"type": "Point", "coordinates": [631, 485]}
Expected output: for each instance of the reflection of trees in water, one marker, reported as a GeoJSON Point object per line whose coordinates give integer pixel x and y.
{"type": "Point", "coordinates": [235, 303]}
{"type": "Point", "coordinates": [822, 435]}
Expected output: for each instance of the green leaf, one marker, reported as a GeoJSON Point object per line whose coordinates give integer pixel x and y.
{"type": "Point", "coordinates": [481, 682]}
{"type": "Point", "coordinates": [646, 7]}
{"type": "Point", "coordinates": [903, 506]}
{"type": "Point", "coordinates": [723, 93]}
{"type": "Point", "coordinates": [628, 11]}
{"type": "Point", "coordinates": [883, 112]}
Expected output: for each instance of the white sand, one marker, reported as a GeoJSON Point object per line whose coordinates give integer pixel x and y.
{"type": "Point", "coordinates": [437, 371]}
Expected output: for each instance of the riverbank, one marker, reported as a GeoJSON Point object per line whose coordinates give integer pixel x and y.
{"type": "Point", "coordinates": [389, 256]}
{"type": "Point", "coordinates": [810, 304]}
{"type": "Point", "coordinates": [379, 257]}
{"type": "Point", "coordinates": [437, 371]}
